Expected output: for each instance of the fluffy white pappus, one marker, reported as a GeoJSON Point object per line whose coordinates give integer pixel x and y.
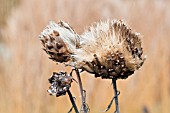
{"type": "Point", "coordinates": [98, 39]}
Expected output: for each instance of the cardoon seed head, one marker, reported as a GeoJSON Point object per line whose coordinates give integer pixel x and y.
{"type": "Point", "coordinates": [60, 83]}
{"type": "Point", "coordinates": [110, 49]}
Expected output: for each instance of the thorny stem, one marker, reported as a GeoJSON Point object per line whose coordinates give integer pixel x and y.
{"type": "Point", "coordinates": [116, 95]}
{"type": "Point", "coordinates": [72, 101]}
{"type": "Point", "coordinates": [84, 108]}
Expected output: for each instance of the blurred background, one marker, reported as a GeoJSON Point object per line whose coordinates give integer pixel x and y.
{"type": "Point", "coordinates": [25, 68]}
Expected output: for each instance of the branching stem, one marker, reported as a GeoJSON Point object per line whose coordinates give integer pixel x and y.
{"type": "Point", "coordinates": [72, 101]}
{"type": "Point", "coordinates": [83, 98]}
{"type": "Point", "coordinates": [116, 95]}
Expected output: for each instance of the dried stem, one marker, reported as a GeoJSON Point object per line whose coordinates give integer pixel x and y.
{"type": "Point", "coordinates": [116, 95]}
{"type": "Point", "coordinates": [72, 101]}
{"type": "Point", "coordinates": [83, 98]}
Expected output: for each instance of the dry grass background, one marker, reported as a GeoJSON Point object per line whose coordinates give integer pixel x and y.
{"type": "Point", "coordinates": [25, 68]}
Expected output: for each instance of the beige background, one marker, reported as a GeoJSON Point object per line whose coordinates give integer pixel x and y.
{"type": "Point", "coordinates": [25, 68]}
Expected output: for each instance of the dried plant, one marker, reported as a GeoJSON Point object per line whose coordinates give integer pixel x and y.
{"type": "Point", "coordinates": [60, 83]}
{"type": "Point", "coordinates": [108, 49]}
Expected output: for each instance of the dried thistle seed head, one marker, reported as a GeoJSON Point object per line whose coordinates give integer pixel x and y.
{"type": "Point", "coordinates": [60, 83]}
{"type": "Point", "coordinates": [110, 49]}
{"type": "Point", "coordinates": [59, 41]}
